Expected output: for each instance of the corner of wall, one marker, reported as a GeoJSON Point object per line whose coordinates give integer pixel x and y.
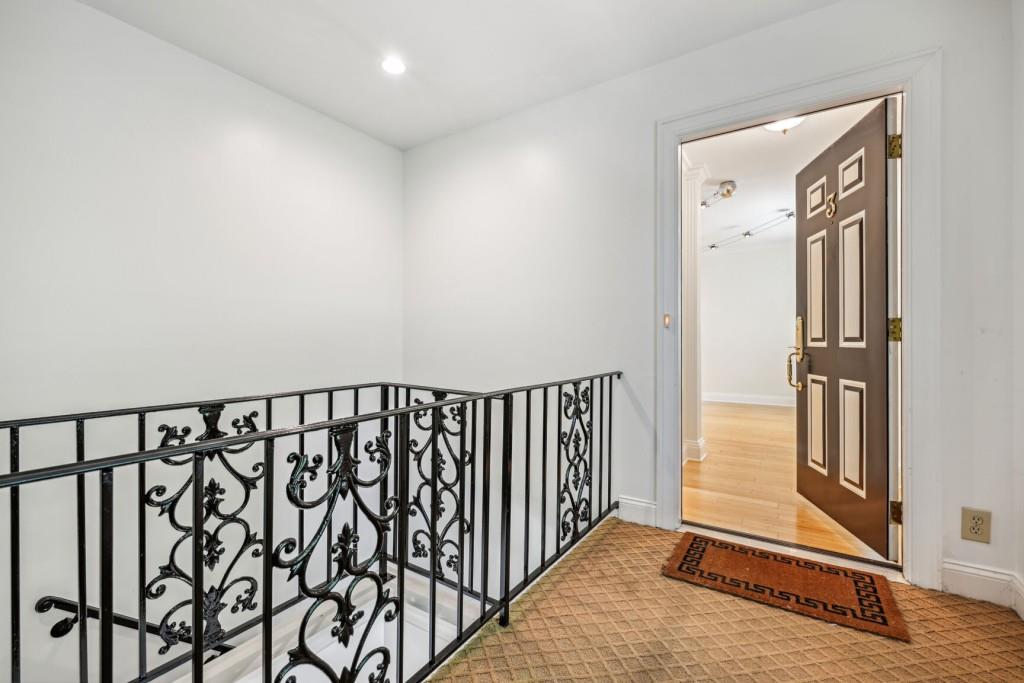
{"type": "Point", "coordinates": [1017, 397]}
{"type": "Point", "coordinates": [1018, 595]}
{"type": "Point", "coordinates": [984, 583]}
{"type": "Point", "coordinates": [638, 511]}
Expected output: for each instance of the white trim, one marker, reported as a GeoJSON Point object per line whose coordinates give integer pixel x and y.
{"type": "Point", "coordinates": [691, 181]}
{"type": "Point", "coordinates": [1017, 586]}
{"type": "Point", "coordinates": [894, 282]}
{"type": "Point", "coordinates": [695, 450]}
{"type": "Point", "coordinates": [787, 401]}
{"type": "Point", "coordinates": [918, 76]}
{"type": "Point", "coordinates": [638, 510]}
{"type": "Point", "coordinates": [984, 583]}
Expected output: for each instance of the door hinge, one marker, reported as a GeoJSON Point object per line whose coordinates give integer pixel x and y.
{"type": "Point", "coordinates": [894, 146]}
{"type": "Point", "coordinates": [896, 511]}
{"type": "Point", "coordinates": [896, 329]}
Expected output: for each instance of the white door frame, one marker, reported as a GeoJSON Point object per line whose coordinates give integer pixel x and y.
{"type": "Point", "coordinates": [918, 77]}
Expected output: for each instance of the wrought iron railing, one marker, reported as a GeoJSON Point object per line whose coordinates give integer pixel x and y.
{"type": "Point", "coordinates": [353, 545]}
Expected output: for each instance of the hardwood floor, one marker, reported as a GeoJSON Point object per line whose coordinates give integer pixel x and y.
{"type": "Point", "coordinates": [747, 482]}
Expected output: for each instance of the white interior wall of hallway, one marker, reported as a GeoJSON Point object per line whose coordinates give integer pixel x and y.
{"type": "Point", "coordinates": [174, 232]}
{"type": "Point", "coordinates": [170, 232]}
{"type": "Point", "coordinates": [531, 242]}
{"type": "Point", "coordinates": [1018, 289]}
{"type": "Point", "coordinates": [747, 297]}
{"type": "Point", "coordinates": [528, 246]}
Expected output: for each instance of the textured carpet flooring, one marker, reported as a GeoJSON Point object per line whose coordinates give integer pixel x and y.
{"type": "Point", "coordinates": [607, 614]}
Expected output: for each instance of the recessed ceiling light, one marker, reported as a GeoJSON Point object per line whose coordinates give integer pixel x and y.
{"type": "Point", "coordinates": [785, 124]}
{"type": "Point", "coordinates": [393, 65]}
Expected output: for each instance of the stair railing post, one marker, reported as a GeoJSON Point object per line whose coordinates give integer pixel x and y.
{"type": "Point", "coordinates": [402, 534]}
{"type": "Point", "coordinates": [106, 576]}
{"type": "Point", "coordinates": [198, 518]}
{"type": "Point", "coordinates": [506, 506]}
{"type": "Point", "coordinates": [383, 485]}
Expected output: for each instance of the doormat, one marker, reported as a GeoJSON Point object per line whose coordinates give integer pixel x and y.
{"type": "Point", "coordinates": [844, 596]}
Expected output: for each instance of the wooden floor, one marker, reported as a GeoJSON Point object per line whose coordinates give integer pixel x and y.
{"type": "Point", "coordinates": [747, 482]}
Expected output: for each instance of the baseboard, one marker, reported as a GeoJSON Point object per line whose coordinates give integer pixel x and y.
{"type": "Point", "coordinates": [1017, 586]}
{"type": "Point", "coordinates": [694, 450]}
{"type": "Point", "coordinates": [638, 510]}
{"type": "Point", "coordinates": [984, 583]}
{"type": "Point", "coordinates": [753, 399]}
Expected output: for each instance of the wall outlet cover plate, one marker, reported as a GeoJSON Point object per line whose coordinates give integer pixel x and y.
{"type": "Point", "coordinates": [976, 525]}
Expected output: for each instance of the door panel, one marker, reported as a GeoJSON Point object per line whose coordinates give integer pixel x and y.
{"type": "Point", "coordinates": [852, 436]}
{"type": "Point", "coordinates": [841, 282]}
{"type": "Point", "coordinates": [817, 422]}
{"type": "Point", "coordinates": [851, 282]}
{"type": "Point", "coordinates": [817, 286]}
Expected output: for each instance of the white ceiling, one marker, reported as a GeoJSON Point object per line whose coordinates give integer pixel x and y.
{"type": "Point", "coordinates": [469, 61]}
{"type": "Point", "coordinates": [764, 165]}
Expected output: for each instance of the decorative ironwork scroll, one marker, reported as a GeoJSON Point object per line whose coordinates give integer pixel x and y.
{"type": "Point", "coordinates": [574, 444]}
{"type": "Point", "coordinates": [343, 481]}
{"type": "Point", "coordinates": [449, 466]}
{"type": "Point", "coordinates": [230, 528]}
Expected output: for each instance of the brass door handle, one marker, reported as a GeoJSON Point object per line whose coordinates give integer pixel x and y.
{"type": "Point", "coordinates": [798, 385]}
{"type": "Point", "coordinates": [797, 354]}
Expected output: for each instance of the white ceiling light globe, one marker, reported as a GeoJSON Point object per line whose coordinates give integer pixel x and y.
{"type": "Point", "coordinates": [785, 124]}
{"type": "Point", "coordinates": [393, 65]}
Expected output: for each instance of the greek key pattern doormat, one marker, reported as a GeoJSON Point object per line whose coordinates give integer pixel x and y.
{"type": "Point", "coordinates": [844, 596]}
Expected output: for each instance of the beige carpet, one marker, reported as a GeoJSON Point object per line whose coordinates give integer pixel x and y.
{"type": "Point", "coordinates": [607, 614]}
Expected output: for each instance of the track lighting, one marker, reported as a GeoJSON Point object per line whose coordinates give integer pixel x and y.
{"type": "Point", "coordinates": [786, 215]}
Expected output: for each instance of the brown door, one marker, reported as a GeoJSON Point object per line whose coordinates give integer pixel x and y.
{"type": "Point", "coordinates": [841, 295]}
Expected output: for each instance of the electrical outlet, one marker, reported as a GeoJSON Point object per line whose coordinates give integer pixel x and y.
{"type": "Point", "coordinates": [976, 525]}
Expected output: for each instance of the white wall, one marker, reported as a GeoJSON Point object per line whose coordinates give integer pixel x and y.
{"type": "Point", "coordinates": [747, 299]}
{"type": "Point", "coordinates": [168, 232]}
{"type": "Point", "coordinates": [1018, 287]}
{"type": "Point", "coordinates": [531, 239]}
{"type": "Point", "coordinates": [172, 231]}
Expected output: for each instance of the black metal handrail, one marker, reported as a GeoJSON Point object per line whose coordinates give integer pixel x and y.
{"type": "Point", "coordinates": [166, 407]}
{"type": "Point", "coordinates": [416, 489]}
{"type": "Point", "coordinates": [132, 458]}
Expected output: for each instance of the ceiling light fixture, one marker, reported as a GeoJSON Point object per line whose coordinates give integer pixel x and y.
{"type": "Point", "coordinates": [393, 65]}
{"type": "Point", "coordinates": [726, 188]}
{"type": "Point", "coordinates": [784, 125]}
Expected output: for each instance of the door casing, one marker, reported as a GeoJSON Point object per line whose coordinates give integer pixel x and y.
{"type": "Point", "coordinates": [917, 76]}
